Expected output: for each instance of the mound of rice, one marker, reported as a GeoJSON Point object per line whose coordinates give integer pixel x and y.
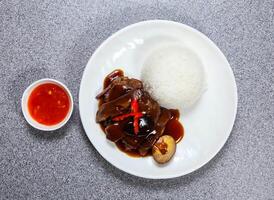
{"type": "Point", "coordinates": [174, 75]}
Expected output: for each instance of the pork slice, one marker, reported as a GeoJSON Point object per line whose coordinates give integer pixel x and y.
{"type": "Point", "coordinates": [118, 87]}
{"type": "Point", "coordinates": [132, 142]}
{"type": "Point", "coordinates": [114, 132]}
{"type": "Point", "coordinates": [114, 108]}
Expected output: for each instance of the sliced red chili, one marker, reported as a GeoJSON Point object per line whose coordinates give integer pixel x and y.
{"type": "Point", "coordinates": [135, 109]}
{"type": "Point", "coordinates": [122, 117]}
{"type": "Point", "coordinates": [134, 105]}
{"type": "Point", "coordinates": [134, 113]}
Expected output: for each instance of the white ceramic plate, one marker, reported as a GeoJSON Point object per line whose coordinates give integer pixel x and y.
{"type": "Point", "coordinates": [207, 125]}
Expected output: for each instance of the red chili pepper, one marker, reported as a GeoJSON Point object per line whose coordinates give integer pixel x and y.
{"type": "Point", "coordinates": [134, 105]}
{"type": "Point", "coordinates": [135, 109]}
{"type": "Point", "coordinates": [122, 117]}
{"type": "Point", "coordinates": [134, 113]}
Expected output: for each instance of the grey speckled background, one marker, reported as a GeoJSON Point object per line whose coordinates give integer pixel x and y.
{"type": "Point", "coordinates": [43, 38]}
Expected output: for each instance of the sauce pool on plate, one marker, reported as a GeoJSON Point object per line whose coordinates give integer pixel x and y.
{"type": "Point", "coordinates": [48, 104]}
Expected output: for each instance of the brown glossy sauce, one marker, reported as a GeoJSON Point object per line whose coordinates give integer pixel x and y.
{"type": "Point", "coordinates": [131, 153]}
{"type": "Point", "coordinates": [175, 114]}
{"type": "Point", "coordinates": [173, 127]}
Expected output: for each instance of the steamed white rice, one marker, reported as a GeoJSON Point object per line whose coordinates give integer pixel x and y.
{"type": "Point", "coordinates": [174, 75]}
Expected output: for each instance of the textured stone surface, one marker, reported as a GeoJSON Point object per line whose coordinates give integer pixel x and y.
{"type": "Point", "coordinates": [49, 38]}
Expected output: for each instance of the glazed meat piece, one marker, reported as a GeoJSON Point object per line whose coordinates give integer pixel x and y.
{"type": "Point", "coordinates": [121, 86]}
{"type": "Point", "coordinates": [117, 95]}
{"type": "Point", "coordinates": [118, 87]}
{"type": "Point", "coordinates": [114, 133]}
{"type": "Point", "coordinates": [115, 107]}
{"type": "Point", "coordinates": [132, 142]}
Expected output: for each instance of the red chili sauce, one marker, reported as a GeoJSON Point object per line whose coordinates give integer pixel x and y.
{"type": "Point", "coordinates": [48, 104]}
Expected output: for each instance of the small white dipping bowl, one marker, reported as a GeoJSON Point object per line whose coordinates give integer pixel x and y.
{"type": "Point", "coordinates": [25, 110]}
